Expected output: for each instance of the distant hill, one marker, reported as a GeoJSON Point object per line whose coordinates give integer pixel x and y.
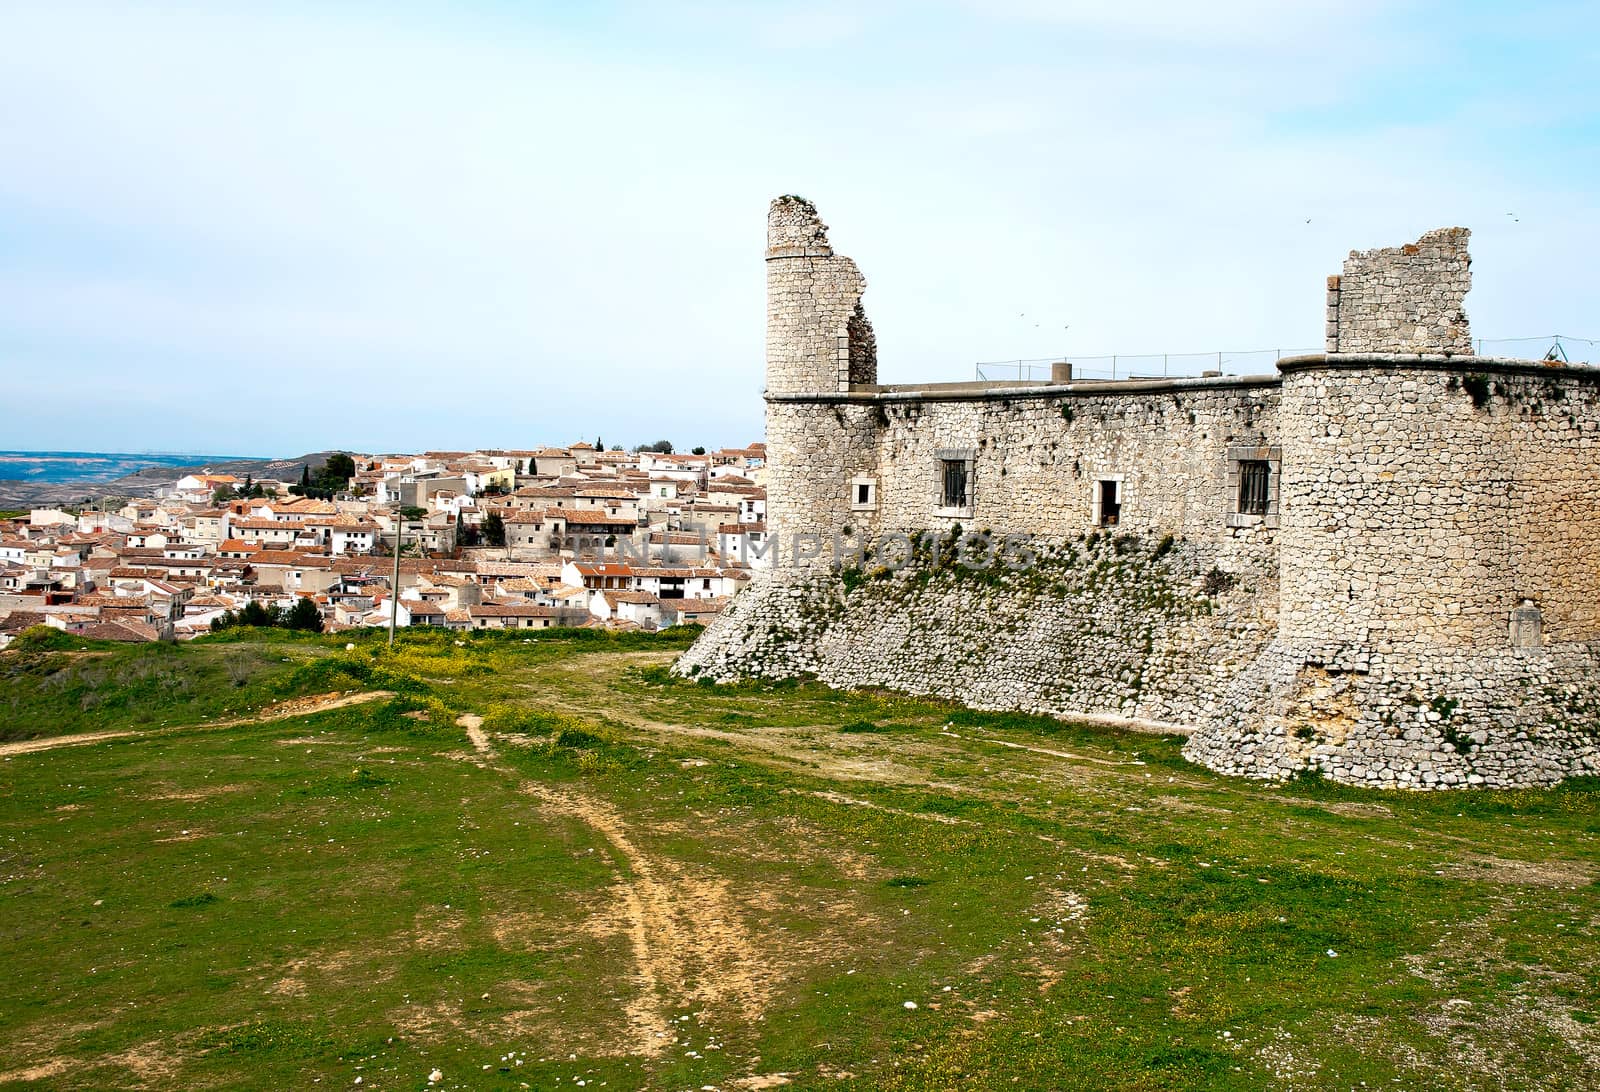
{"type": "Point", "coordinates": [141, 482]}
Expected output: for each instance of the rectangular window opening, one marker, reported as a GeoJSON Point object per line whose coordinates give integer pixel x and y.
{"type": "Point", "coordinates": [1110, 503]}
{"type": "Point", "coordinates": [1254, 475]}
{"type": "Point", "coordinates": [955, 483]}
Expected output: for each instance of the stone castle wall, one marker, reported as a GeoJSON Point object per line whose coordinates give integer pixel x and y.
{"type": "Point", "coordinates": [1036, 458]}
{"type": "Point", "coordinates": [1122, 629]}
{"type": "Point", "coordinates": [1440, 579]}
{"type": "Point", "coordinates": [818, 336]}
{"type": "Point", "coordinates": [1423, 502]}
{"type": "Point", "coordinates": [1406, 299]}
{"type": "Point", "coordinates": [813, 451]}
{"type": "Point", "coordinates": [1418, 606]}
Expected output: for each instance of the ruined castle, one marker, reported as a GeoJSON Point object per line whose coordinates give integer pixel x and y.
{"type": "Point", "coordinates": [1382, 562]}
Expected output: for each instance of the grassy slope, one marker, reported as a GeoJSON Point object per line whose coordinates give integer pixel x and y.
{"type": "Point", "coordinates": [771, 873]}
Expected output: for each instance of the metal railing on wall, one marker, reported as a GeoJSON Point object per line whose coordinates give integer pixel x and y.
{"type": "Point", "coordinates": [1561, 348]}
{"type": "Point", "coordinates": [1139, 365]}
{"type": "Point", "coordinates": [1553, 347]}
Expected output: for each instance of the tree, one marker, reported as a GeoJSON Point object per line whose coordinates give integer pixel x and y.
{"type": "Point", "coordinates": [663, 447]}
{"type": "Point", "coordinates": [305, 615]}
{"type": "Point", "coordinates": [410, 513]}
{"type": "Point", "coordinates": [223, 494]}
{"type": "Point", "coordinates": [305, 476]}
{"type": "Point", "coordinates": [494, 529]}
{"type": "Point", "coordinates": [699, 451]}
{"type": "Point", "coordinates": [599, 444]}
{"type": "Point", "coordinates": [337, 471]}
{"type": "Point", "coordinates": [254, 614]}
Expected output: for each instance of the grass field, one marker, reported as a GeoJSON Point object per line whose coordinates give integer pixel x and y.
{"type": "Point", "coordinates": [542, 863]}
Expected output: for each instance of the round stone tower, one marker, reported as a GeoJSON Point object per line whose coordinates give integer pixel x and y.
{"type": "Point", "coordinates": [820, 347]}
{"type": "Point", "coordinates": [1439, 592]}
{"type": "Point", "coordinates": [818, 336]}
{"type": "Point", "coordinates": [1439, 600]}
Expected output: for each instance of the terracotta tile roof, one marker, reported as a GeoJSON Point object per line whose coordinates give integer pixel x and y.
{"type": "Point", "coordinates": [19, 620]}
{"type": "Point", "coordinates": [642, 598]}
{"type": "Point", "coordinates": [602, 568]}
{"type": "Point", "coordinates": [695, 606]}
{"type": "Point", "coordinates": [291, 557]}
{"type": "Point", "coordinates": [522, 584]}
{"type": "Point", "coordinates": [587, 517]}
{"type": "Point", "coordinates": [121, 631]}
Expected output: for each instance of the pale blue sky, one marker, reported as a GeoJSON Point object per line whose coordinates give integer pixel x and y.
{"type": "Point", "coordinates": [278, 227]}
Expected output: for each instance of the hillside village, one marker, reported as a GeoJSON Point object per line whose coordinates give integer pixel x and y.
{"type": "Point", "coordinates": [490, 539]}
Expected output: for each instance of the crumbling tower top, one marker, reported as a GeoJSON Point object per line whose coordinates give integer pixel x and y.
{"type": "Point", "coordinates": [1404, 299]}
{"type": "Point", "coordinates": [818, 336]}
{"type": "Point", "coordinates": [794, 229]}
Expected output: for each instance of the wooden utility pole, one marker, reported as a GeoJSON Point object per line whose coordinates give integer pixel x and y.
{"type": "Point", "coordinates": [394, 585]}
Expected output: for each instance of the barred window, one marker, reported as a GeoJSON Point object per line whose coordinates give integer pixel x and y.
{"type": "Point", "coordinates": [955, 482]}
{"type": "Point", "coordinates": [1253, 478]}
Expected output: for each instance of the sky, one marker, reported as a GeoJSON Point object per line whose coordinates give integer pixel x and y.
{"type": "Point", "coordinates": [276, 228]}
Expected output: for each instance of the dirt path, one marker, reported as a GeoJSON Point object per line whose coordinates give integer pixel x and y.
{"type": "Point", "coordinates": [295, 707]}
{"type": "Point", "coordinates": [816, 749]}
{"type": "Point", "coordinates": [693, 952]}
{"type": "Point", "coordinates": [1068, 755]}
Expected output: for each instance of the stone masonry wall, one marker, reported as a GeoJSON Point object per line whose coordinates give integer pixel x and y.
{"type": "Point", "coordinates": [1123, 628]}
{"type": "Point", "coordinates": [1440, 579]}
{"type": "Point", "coordinates": [1036, 459]}
{"type": "Point", "coordinates": [1406, 299]}
{"type": "Point", "coordinates": [818, 336]}
{"type": "Point", "coordinates": [802, 438]}
{"type": "Point", "coordinates": [1422, 503]}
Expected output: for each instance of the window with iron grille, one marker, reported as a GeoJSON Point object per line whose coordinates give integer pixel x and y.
{"type": "Point", "coordinates": [1254, 475]}
{"type": "Point", "coordinates": [955, 482]}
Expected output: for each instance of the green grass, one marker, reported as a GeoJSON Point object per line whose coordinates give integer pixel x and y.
{"type": "Point", "coordinates": [769, 871]}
